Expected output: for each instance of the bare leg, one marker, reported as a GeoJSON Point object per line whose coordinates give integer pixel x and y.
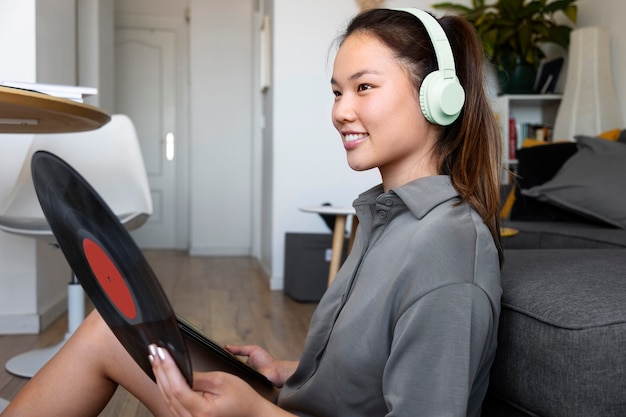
{"type": "Point", "coordinates": [82, 377]}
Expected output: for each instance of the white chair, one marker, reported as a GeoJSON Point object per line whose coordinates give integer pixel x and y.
{"type": "Point", "coordinates": [110, 159]}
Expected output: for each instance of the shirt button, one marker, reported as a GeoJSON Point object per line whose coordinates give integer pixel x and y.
{"type": "Point", "coordinates": [382, 214]}
{"type": "Point", "coordinates": [388, 202]}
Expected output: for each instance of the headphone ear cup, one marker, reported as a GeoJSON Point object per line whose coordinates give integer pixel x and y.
{"type": "Point", "coordinates": [441, 99]}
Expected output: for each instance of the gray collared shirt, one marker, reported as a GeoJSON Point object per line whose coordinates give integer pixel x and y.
{"type": "Point", "coordinates": [409, 326]}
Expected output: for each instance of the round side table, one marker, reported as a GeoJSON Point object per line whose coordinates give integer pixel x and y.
{"type": "Point", "coordinates": [341, 215]}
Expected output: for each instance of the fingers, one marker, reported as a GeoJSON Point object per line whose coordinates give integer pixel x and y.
{"type": "Point", "coordinates": [244, 350]}
{"type": "Point", "coordinates": [261, 360]}
{"type": "Point", "coordinates": [214, 393]}
{"type": "Point", "coordinates": [179, 397]}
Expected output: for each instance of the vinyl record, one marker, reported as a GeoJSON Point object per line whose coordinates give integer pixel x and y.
{"type": "Point", "coordinates": [107, 263]}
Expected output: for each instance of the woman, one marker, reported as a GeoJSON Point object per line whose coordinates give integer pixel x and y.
{"type": "Point", "coordinates": [409, 325]}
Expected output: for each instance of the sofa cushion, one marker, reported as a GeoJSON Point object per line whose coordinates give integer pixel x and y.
{"type": "Point", "coordinates": [562, 334]}
{"type": "Point", "coordinates": [590, 183]}
{"type": "Point", "coordinates": [563, 235]}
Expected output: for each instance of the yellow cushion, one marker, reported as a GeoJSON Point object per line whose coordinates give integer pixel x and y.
{"type": "Point", "coordinates": [528, 142]}
{"type": "Point", "coordinates": [610, 134]}
{"type": "Point", "coordinates": [505, 211]}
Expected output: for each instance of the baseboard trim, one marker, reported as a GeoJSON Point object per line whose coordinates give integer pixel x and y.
{"type": "Point", "coordinates": [219, 251]}
{"type": "Point", "coordinates": [32, 323]}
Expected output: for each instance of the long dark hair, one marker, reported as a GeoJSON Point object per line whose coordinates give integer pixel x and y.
{"type": "Point", "coordinates": [470, 149]}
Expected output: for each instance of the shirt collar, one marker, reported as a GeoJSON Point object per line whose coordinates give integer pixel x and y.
{"type": "Point", "coordinates": [420, 195]}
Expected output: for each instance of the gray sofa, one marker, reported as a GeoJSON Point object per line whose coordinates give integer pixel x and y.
{"type": "Point", "coordinates": [562, 338]}
{"type": "Point", "coordinates": [562, 334]}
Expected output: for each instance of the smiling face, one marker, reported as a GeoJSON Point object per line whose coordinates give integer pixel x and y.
{"type": "Point", "coordinates": [378, 115]}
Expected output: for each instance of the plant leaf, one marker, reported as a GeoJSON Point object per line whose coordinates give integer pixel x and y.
{"type": "Point", "coordinates": [571, 12]}
{"type": "Point", "coordinates": [560, 35]}
{"type": "Point", "coordinates": [510, 28]}
{"type": "Point", "coordinates": [458, 8]}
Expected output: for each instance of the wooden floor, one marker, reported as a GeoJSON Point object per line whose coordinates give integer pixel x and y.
{"type": "Point", "coordinates": [227, 297]}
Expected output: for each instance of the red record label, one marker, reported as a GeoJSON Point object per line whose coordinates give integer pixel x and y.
{"type": "Point", "coordinates": [109, 278]}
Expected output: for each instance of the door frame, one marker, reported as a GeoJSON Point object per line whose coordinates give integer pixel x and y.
{"type": "Point", "coordinates": [180, 27]}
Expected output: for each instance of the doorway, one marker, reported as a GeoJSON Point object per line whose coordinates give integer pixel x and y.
{"type": "Point", "coordinates": [151, 88]}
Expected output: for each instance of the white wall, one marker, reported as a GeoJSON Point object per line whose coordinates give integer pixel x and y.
{"type": "Point", "coordinates": [56, 26]}
{"type": "Point", "coordinates": [221, 128]}
{"type": "Point", "coordinates": [18, 40]}
{"type": "Point", "coordinates": [95, 61]}
{"type": "Point", "coordinates": [33, 275]}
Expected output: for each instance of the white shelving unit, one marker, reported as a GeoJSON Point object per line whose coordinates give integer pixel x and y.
{"type": "Point", "coordinates": [524, 108]}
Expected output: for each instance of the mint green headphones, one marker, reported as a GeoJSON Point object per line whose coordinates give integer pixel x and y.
{"type": "Point", "coordinates": [441, 94]}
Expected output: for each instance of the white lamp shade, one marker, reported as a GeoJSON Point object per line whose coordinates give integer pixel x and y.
{"type": "Point", "coordinates": [589, 105]}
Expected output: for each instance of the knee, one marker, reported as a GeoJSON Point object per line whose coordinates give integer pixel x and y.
{"type": "Point", "coordinates": [94, 331]}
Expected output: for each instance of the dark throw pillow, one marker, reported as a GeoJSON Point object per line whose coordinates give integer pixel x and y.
{"type": "Point", "coordinates": [591, 183]}
{"type": "Point", "coordinates": [537, 165]}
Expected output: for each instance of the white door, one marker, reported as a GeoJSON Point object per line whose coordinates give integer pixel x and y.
{"type": "Point", "coordinates": [145, 90]}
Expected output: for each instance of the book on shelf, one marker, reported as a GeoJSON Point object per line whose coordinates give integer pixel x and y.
{"type": "Point", "coordinates": [512, 139]}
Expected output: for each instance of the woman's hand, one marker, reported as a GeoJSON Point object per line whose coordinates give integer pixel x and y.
{"type": "Point", "coordinates": [275, 370]}
{"type": "Point", "coordinates": [213, 393]}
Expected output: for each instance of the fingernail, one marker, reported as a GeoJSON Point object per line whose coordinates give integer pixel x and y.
{"type": "Point", "coordinates": [153, 350]}
{"type": "Point", "coordinates": [161, 353]}
{"type": "Point", "coordinates": [151, 358]}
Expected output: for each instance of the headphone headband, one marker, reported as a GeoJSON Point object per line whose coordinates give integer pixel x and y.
{"type": "Point", "coordinates": [438, 37]}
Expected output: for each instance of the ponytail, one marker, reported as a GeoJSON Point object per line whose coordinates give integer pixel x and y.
{"type": "Point", "coordinates": [470, 151]}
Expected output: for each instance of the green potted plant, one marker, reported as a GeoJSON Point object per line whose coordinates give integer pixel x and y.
{"type": "Point", "coordinates": [513, 31]}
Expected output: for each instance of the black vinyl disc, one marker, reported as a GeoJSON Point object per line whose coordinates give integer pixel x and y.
{"type": "Point", "coordinates": [107, 263]}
